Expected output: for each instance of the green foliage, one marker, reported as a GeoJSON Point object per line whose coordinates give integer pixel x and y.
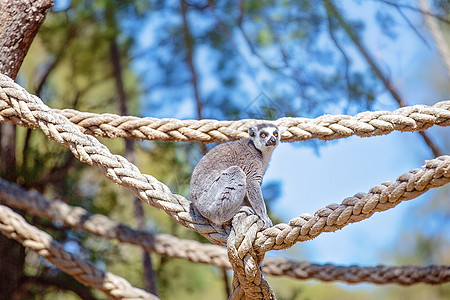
{"type": "Point", "coordinates": [179, 279]}
{"type": "Point", "coordinates": [443, 6]}
{"type": "Point", "coordinates": [291, 289]}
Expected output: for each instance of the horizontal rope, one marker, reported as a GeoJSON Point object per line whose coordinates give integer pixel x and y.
{"type": "Point", "coordinates": [167, 245]}
{"type": "Point", "coordinates": [405, 275]}
{"type": "Point", "coordinates": [89, 150]}
{"type": "Point", "coordinates": [434, 173]}
{"type": "Point", "coordinates": [78, 218]}
{"type": "Point", "coordinates": [326, 127]}
{"type": "Point", "coordinates": [14, 226]}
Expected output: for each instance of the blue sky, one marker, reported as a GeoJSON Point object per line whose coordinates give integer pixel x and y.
{"type": "Point", "coordinates": [352, 165]}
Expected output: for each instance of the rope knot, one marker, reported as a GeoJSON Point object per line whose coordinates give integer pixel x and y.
{"type": "Point", "coordinates": [248, 280]}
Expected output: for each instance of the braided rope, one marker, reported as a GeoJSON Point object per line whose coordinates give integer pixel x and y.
{"type": "Point", "coordinates": [78, 218]}
{"type": "Point", "coordinates": [434, 173]}
{"type": "Point", "coordinates": [248, 280]}
{"type": "Point", "coordinates": [14, 226]}
{"type": "Point", "coordinates": [327, 127]}
{"type": "Point", "coordinates": [406, 275]}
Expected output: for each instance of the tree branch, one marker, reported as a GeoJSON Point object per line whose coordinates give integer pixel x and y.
{"type": "Point", "coordinates": [344, 55]}
{"type": "Point", "coordinates": [411, 25]}
{"type": "Point", "coordinates": [55, 174]}
{"type": "Point", "coordinates": [61, 281]}
{"type": "Point", "coordinates": [190, 63]}
{"type": "Point", "coordinates": [437, 35]}
{"type": "Point", "coordinates": [71, 33]}
{"type": "Point", "coordinates": [399, 5]}
{"type": "Point", "coordinates": [333, 11]}
{"type": "Point", "coordinates": [247, 38]}
{"type": "Point", "coordinates": [19, 24]}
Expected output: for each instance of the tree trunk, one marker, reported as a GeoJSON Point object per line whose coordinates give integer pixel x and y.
{"type": "Point", "coordinates": [190, 62]}
{"type": "Point", "coordinates": [19, 23]}
{"type": "Point", "coordinates": [149, 273]}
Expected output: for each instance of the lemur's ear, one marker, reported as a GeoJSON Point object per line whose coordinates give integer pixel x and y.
{"type": "Point", "coordinates": [252, 131]}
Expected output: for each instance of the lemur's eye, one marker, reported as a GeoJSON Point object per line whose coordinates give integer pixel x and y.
{"type": "Point", "coordinates": [263, 134]}
{"type": "Point", "coordinates": [275, 134]}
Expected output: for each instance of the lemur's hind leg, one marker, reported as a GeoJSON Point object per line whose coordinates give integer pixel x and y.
{"type": "Point", "coordinates": [225, 196]}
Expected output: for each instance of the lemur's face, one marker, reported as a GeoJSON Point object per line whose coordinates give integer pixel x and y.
{"type": "Point", "coordinates": [264, 136]}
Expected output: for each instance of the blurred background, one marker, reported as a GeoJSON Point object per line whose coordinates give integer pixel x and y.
{"type": "Point", "coordinates": [230, 60]}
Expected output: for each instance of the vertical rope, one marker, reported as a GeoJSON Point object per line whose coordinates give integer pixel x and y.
{"type": "Point", "coordinates": [248, 279]}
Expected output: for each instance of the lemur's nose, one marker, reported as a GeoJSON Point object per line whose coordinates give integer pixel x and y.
{"type": "Point", "coordinates": [271, 142]}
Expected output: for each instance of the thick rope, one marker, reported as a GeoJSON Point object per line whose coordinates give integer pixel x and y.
{"type": "Point", "coordinates": [248, 280]}
{"type": "Point", "coordinates": [406, 275]}
{"type": "Point", "coordinates": [78, 218]}
{"type": "Point", "coordinates": [14, 226]}
{"type": "Point", "coordinates": [434, 173]}
{"type": "Point", "coordinates": [327, 127]}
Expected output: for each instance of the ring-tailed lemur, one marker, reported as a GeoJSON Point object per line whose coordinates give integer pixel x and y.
{"type": "Point", "coordinates": [229, 176]}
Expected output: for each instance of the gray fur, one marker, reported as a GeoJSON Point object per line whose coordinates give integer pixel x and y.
{"type": "Point", "coordinates": [229, 177]}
